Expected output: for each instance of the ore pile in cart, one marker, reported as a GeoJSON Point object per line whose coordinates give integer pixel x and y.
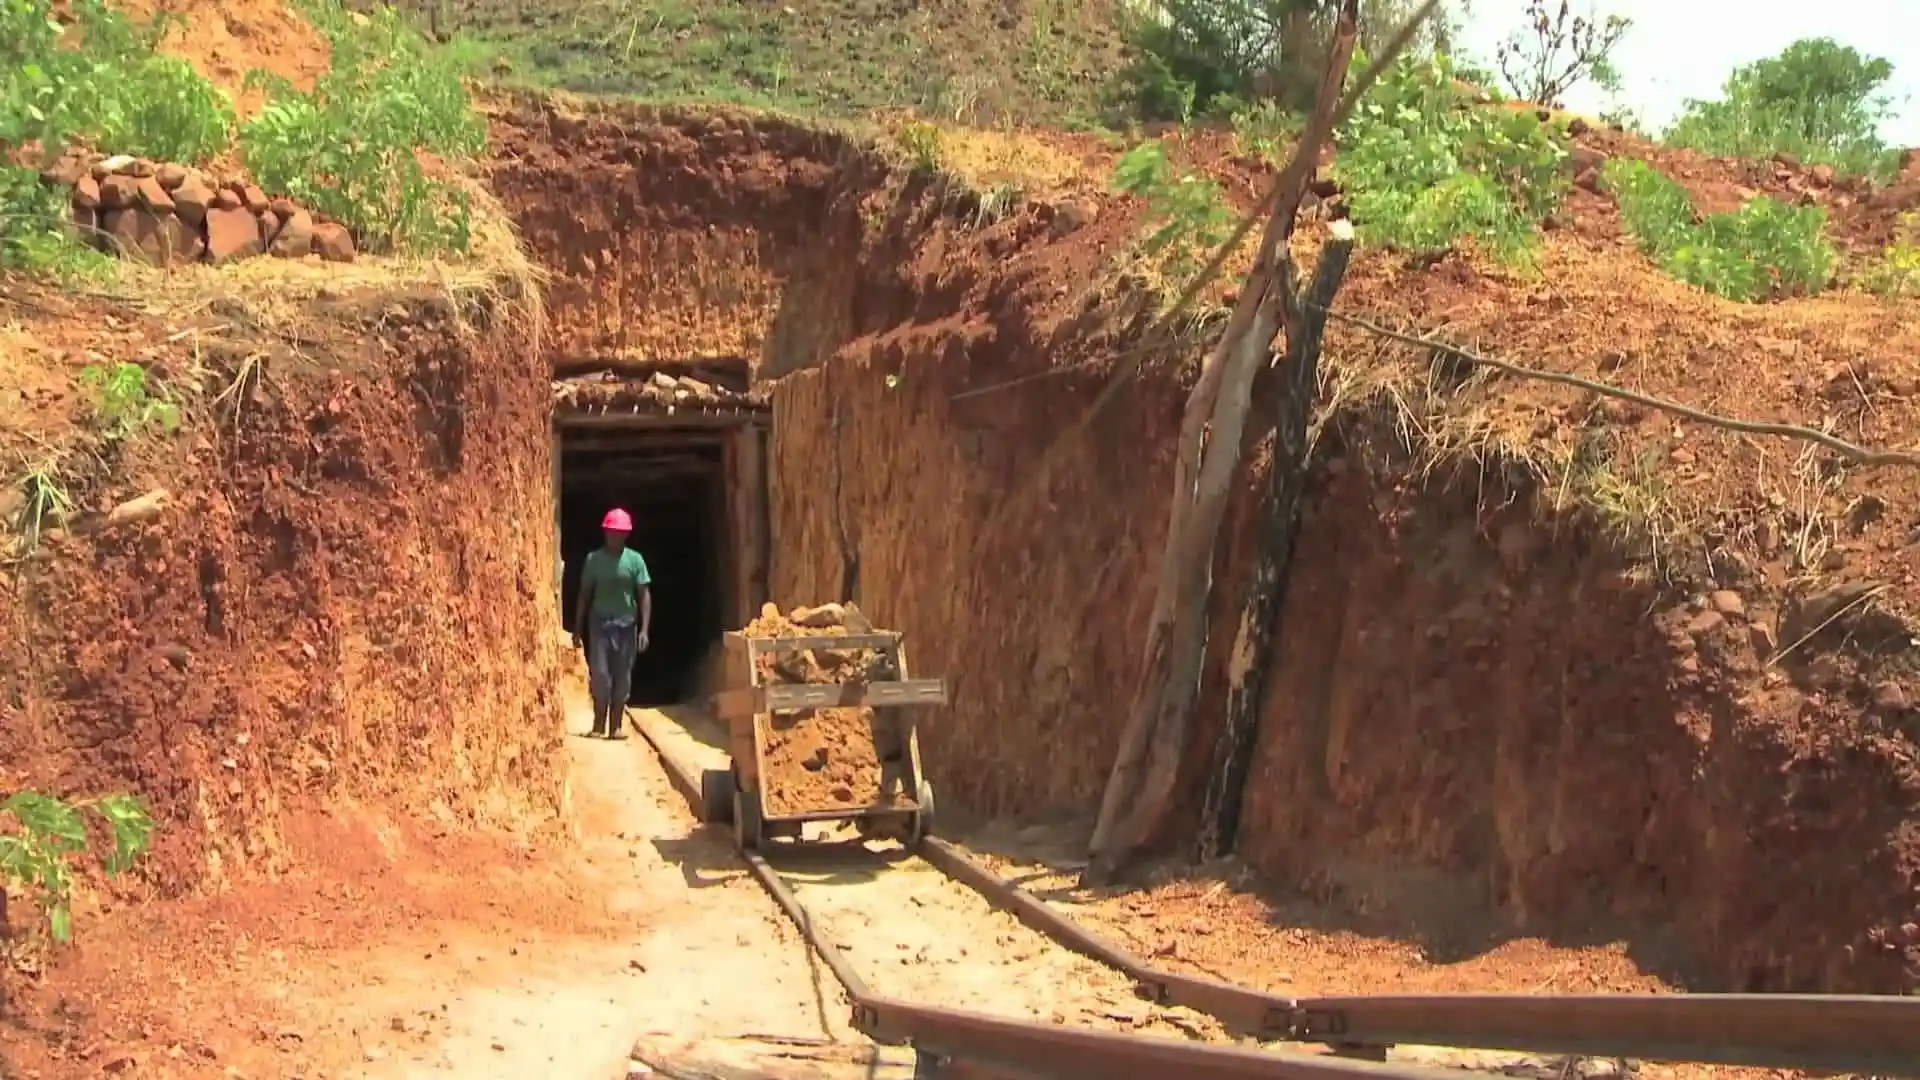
{"type": "Point", "coordinates": [820, 718]}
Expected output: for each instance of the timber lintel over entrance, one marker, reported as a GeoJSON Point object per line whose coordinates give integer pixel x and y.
{"type": "Point", "coordinates": [621, 397]}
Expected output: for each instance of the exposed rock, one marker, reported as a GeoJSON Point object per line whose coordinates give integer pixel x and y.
{"type": "Point", "coordinates": [332, 242]}
{"type": "Point", "coordinates": [1890, 699]}
{"type": "Point", "coordinates": [255, 199]}
{"type": "Point", "coordinates": [233, 234]}
{"type": "Point", "coordinates": [140, 168]}
{"type": "Point", "coordinates": [111, 166]}
{"type": "Point", "coordinates": [86, 193]}
{"type": "Point", "coordinates": [295, 238]}
{"type": "Point", "coordinates": [227, 199]}
{"type": "Point", "coordinates": [1706, 623]}
{"type": "Point", "coordinates": [136, 233]}
{"type": "Point", "coordinates": [1727, 602]}
{"type": "Point", "coordinates": [269, 228]}
{"type": "Point", "coordinates": [118, 192]}
{"type": "Point", "coordinates": [192, 198]}
{"type": "Point", "coordinates": [153, 196]}
{"type": "Point", "coordinates": [171, 175]}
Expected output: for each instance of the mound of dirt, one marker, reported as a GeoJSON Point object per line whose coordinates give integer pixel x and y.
{"type": "Point", "coordinates": [227, 39]}
{"type": "Point", "coordinates": [821, 759]}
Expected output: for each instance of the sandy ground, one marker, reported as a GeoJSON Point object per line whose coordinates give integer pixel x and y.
{"type": "Point", "coordinates": [445, 958]}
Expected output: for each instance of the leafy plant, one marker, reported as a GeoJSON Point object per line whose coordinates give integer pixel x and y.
{"type": "Point", "coordinates": [36, 854]}
{"type": "Point", "coordinates": [1897, 271]}
{"type": "Point", "coordinates": [1187, 216]}
{"type": "Point", "coordinates": [1817, 100]}
{"type": "Point", "coordinates": [1265, 131]}
{"type": "Point", "coordinates": [98, 80]}
{"type": "Point", "coordinates": [44, 503]}
{"type": "Point", "coordinates": [1560, 50]}
{"type": "Point", "coordinates": [1762, 250]}
{"type": "Point", "coordinates": [351, 148]}
{"type": "Point", "coordinates": [1423, 166]}
{"type": "Point", "coordinates": [921, 141]}
{"type": "Point", "coordinates": [123, 404]}
{"type": "Point", "coordinates": [1207, 57]}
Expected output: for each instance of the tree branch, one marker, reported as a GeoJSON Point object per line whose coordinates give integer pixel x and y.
{"type": "Point", "coordinates": [1852, 452]}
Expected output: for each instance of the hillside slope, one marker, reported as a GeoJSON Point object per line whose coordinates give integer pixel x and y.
{"type": "Point", "coordinates": [1006, 61]}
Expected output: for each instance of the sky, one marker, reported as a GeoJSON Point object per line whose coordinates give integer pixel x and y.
{"type": "Point", "coordinates": [1680, 49]}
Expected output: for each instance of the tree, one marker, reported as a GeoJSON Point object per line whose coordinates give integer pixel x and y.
{"type": "Point", "coordinates": [1818, 100]}
{"type": "Point", "coordinates": [1202, 56]}
{"type": "Point", "coordinates": [1564, 50]}
{"type": "Point", "coordinates": [1141, 786]}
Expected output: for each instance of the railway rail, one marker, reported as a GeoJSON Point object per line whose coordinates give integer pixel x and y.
{"type": "Point", "coordinates": [1861, 1034]}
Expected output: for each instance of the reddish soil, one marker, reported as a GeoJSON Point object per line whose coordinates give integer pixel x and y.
{"type": "Point", "coordinates": [817, 759]}
{"type": "Point", "coordinates": [1558, 661]}
{"type": "Point", "coordinates": [226, 39]}
{"type": "Point", "coordinates": [1533, 528]}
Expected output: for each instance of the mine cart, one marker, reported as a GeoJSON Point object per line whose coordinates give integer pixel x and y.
{"type": "Point", "coordinates": [820, 727]}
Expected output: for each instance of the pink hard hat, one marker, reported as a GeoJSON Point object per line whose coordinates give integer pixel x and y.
{"type": "Point", "coordinates": [617, 520]}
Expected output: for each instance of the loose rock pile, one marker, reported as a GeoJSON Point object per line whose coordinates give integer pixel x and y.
{"type": "Point", "coordinates": [165, 214]}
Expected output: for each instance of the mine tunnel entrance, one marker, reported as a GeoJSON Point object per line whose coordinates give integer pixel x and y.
{"type": "Point", "coordinates": [681, 448]}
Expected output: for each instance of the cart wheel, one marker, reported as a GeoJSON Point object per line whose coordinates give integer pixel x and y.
{"type": "Point", "coordinates": [716, 797]}
{"type": "Point", "coordinates": [922, 825]}
{"type": "Point", "coordinates": [746, 821]}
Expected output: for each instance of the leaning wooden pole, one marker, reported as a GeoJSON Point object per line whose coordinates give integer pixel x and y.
{"type": "Point", "coordinates": [1141, 784]}
{"type": "Point", "coordinates": [1298, 388]}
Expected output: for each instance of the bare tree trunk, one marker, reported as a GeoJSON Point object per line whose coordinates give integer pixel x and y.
{"type": "Point", "coordinates": [1279, 523]}
{"type": "Point", "coordinates": [1140, 786]}
{"type": "Point", "coordinates": [1156, 731]}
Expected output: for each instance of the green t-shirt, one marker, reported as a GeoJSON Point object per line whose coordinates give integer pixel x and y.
{"type": "Point", "coordinates": [611, 583]}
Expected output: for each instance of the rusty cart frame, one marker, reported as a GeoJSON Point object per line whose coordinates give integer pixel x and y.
{"type": "Point", "coordinates": [734, 796]}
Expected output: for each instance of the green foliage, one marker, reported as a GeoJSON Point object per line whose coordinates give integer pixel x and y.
{"type": "Point", "coordinates": [1762, 250]}
{"type": "Point", "coordinates": [36, 854]}
{"type": "Point", "coordinates": [1264, 131]}
{"type": "Point", "coordinates": [1818, 100]}
{"type": "Point", "coordinates": [44, 504]}
{"type": "Point", "coordinates": [1897, 272]}
{"type": "Point", "coordinates": [123, 404]}
{"type": "Point", "coordinates": [1187, 216]}
{"type": "Point", "coordinates": [350, 148]}
{"type": "Point", "coordinates": [1209, 57]}
{"type": "Point", "coordinates": [98, 80]}
{"type": "Point", "coordinates": [1423, 167]}
{"type": "Point", "coordinates": [921, 141]}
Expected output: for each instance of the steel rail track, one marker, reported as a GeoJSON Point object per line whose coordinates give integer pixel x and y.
{"type": "Point", "coordinates": [1872, 1035]}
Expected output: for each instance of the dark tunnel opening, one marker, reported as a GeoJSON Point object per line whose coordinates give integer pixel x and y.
{"type": "Point", "coordinates": [672, 480]}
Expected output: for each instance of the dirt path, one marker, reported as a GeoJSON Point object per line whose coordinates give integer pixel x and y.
{"type": "Point", "coordinates": [913, 933]}
{"type": "Point", "coordinates": [404, 954]}
{"type": "Point", "coordinates": [706, 953]}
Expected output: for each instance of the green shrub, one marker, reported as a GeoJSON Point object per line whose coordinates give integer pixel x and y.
{"type": "Point", "coordinates": [98, 81]}
{"type": "Point", "coordinates": [1266, 131]}
{"type": "Point", "coordinates": [350, 149]}
{"type": "Point", "coordinates": [1423, 167]}
{"type": "Point", "coordinates": [1762, 250]}
{"type": "Point", "coordinates": [124, 404]}
{"type": "Point", "coordinates": [1817, 100]}
{"type": "Point", "coordinates": [1187, 216]}
{"type": "Point", "coordinates": [1897, 271]}
{"type": "Point", "coordinates": [36, 854]}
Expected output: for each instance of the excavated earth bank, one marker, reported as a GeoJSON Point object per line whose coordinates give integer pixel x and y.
{"type": "Point", "coordinates": [1481, 690]}
{"type": "Point", "coordinates": [342, 605]}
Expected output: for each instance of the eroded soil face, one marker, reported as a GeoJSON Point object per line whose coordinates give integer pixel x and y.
{"type": "Point", "coordinates": [1567, 680]}
{"type": "Point", "coordinates": [341, 601]}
